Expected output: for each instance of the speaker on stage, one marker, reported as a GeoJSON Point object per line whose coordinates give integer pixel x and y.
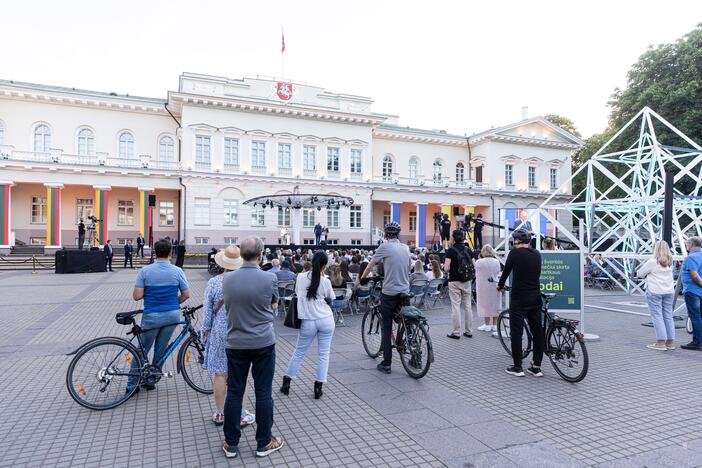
{"type": "Point", "coordinates": [152, 200]}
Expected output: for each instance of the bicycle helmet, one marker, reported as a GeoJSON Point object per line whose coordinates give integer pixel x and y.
{"type": "Point", "coordinates": [522, 235]}
{"type": "Point", "coordinates": [393, 228]}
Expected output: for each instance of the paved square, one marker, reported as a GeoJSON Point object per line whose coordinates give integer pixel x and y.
{"type": "Point", "coordinates": [635, 408]}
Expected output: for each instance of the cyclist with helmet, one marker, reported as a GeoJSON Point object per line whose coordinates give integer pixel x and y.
{"type": "Point", "coordinates": [395, 258]}
{"type": "Point", "coordinates": [524, 263]}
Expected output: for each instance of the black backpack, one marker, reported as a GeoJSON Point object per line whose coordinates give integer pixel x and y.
{"type": "Point", "coordinates": [465, 270]}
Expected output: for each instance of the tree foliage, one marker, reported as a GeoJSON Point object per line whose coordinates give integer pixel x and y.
{"type": "Point", "coordinates": [564, 122]}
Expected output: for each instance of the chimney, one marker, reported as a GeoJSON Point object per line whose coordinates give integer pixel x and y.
{"type": "Point", "coordinates": [525, 112]}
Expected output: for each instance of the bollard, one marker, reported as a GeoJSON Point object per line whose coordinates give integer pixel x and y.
{"type": "Point", "coordinates": [34, 265]}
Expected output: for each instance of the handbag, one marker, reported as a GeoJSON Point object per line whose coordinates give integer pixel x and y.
{"type": "Point", "coordinates": [291, 319]}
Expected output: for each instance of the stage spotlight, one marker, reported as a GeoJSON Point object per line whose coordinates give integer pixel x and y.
{"type": "Point", "coordinates": [319, 208]}
{"type": "Point", "coordinates": [289, 201]}
{"type": "Point", "coordinates": [254, 203]}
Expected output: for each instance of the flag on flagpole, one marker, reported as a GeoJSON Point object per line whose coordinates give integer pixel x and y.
{"type": "Point", "coordinates": [282, 49]}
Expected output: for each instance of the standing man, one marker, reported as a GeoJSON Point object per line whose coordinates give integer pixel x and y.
{"type": "Point", "coordinates": [395, 257]}
{"type": "Point", "coordinates": [524, 263]}
{"type": "Point", "coordinates": [445, 230]}
{"type": "Point", "coordinates": [317, 233]}
{"type": "Point", "coordinates": [692, 287]}
{"type": "Point", "coordinates": [478, 232]}
{"type": "Point", "coordinates": [253, 294]}
{"type": "Point", "coordinates": [81, 234]}
{"type": "Point", "coordinates": [180, 254]}
{"type": "Point", "coordinates": [140, 246]}
{"type": "Point", "coordinates": [128, 249]}
{"type": "Point", "coordinates": [459, 264]}
{"type": "Point", "coordinates": [325, 232]}
{"type": "Point", "coordinates": [163, 288]}
{"type": "Point", "coordinates": [109, 253]}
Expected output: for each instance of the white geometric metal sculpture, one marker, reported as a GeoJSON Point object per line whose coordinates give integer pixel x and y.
{"type": "Point", "coordinates": [623, 218]}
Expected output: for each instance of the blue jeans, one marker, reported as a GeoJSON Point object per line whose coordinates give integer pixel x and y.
{"type": "Point", "coordinates": [158, 328]}
{"type": "Point", "coordinates": [661, 308]}
{"type": "Point", "coordinates": [692, 301]}
{"type": "Point", "coordinates": [323, 330]}
{"type": "Point", "coordinates": [262, 362]}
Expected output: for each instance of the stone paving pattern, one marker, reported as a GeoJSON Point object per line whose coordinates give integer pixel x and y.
{"type": "Point", "coordinates": [636, 407]}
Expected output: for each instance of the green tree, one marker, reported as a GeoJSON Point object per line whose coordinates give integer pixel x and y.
{"type": "Point", "coordinates": [564, 122]}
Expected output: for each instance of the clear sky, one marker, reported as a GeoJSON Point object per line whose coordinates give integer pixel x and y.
{"type": "Point", "coordinates": [460, 66]}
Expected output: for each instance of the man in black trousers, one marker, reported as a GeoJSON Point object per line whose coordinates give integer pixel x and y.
{"type": "Point", "coordinates": [140, 245]}
{"type": "Point", "coordinates": [128, 249]}
{"type": "Point", "coordinates": [109, 253]}
{"type": "Point", "coordinates": [81, 234]}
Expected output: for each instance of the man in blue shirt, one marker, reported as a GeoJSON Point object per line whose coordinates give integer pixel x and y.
{"type": "Point", "coordinates": [692, 286]}
{"type": "Point", "coordinates": [163, 288]}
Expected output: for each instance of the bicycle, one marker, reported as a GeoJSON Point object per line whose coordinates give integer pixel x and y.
{"type": "Point", "coordinates": [564, 346]}
{"type": "Point", "coordinates": [410, 335]}
{"type": "Point", "coordinates": [98, 374]}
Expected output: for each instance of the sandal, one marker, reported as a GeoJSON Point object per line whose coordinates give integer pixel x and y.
{"type": "Point", "coordinates": [218, 419]}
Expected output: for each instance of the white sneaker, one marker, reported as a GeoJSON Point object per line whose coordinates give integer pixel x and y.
{"type": "Point", "coordinates": [493, 328]}
{"type": "Point", "coordinates": [484, 328]}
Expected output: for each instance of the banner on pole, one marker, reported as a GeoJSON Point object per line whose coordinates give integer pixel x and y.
{"type": "Point", "coordinates": [561, 273]}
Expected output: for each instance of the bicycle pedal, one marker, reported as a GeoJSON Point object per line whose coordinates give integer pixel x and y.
{"type": "Point", "coordinates": [168, 374]}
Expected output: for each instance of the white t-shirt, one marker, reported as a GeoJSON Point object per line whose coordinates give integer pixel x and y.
{"type": "Point", "coordinates": [659, 279]}
{"type": "Point", "coordinates": [313, 309]}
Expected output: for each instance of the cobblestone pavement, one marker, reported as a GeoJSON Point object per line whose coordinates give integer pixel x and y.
{"type": "Point", "coordinates": [636, 408]}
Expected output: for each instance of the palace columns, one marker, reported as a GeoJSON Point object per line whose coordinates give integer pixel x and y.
{"type": "Point", "coordinates": [101, 213]}
{"type": "Point", "coordinates": [5, 215]}
{"type": "Point", "coordinates": [53, 215]}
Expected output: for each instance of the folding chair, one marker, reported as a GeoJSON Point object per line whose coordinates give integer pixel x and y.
{"type": "Point", "coordinates": [286, 293]}
{"type": "Point", "coordinates": [418, 288]}
{"type": "Point", "coordinates": [340, 303]}
{"type": "Point", "coordinates": [433, 290]}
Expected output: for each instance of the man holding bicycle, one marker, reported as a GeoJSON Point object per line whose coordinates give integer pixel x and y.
{"type": "Point", "coordinates": [163, 288]}
{"type": "Point", "coordinates": [524, 263]}
{"type": "Point", "coordinates": [395, 257]}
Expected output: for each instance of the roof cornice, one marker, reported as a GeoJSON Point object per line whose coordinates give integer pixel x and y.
{"type": "Point", "coordinates": [525, 141]}
{"type": "Point", "coordinates": [415, 138]}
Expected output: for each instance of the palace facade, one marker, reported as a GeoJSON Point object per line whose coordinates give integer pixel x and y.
{"type": "Point", "coordinates": [198, 154]}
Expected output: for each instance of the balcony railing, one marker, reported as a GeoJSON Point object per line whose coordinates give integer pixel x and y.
{"type": "Point", "coordinates": [310, 173]}
{"type": "Point", "coordinates": [79, 159]}
{"type": "Point", "coordinates": [231, 168]}
{"type": "Point", "coordinates": [30, 156]}
{"type": "Point", "coordinates": [123, 162]}
{"type": "Point", "coordinates": [286, 171]}
{"type": "Point", "coordinates": [258, 169]}
{"type": "Point", "coordinates": [203, 165]}
{"type": "Point", "coordinates": [169, 165]}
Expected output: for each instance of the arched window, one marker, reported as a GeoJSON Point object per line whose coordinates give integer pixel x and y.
{"type": "Point", "coordinates": [86, 142]}
{"type": "Point", "coordinates": [413, 169]}
{"type": "Point", "coordinates": [42, 138]}
{"type": "Point", "coordinates": [460, 173]}
{"type": "Point", "coordinates": [438, 172]}
{"type": "Point", "coordinates": [166, 149]}
{"type": "Point", "coordinates": [126, 145]}
{"type": "Point", "coordinates": [387, 167]}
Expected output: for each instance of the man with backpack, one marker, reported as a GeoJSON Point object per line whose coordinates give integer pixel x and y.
{"type": "Point", "coordinates": [459, 265]}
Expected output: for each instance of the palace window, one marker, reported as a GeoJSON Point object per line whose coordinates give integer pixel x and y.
{"type": "Point", "coordinates": [356, 161]}
{"type": "Point", "coordinates": [438, 172]}
{"type": "Point", "coordinates": [355, 216]}
{"type": "Point", "coordinates": [509, 175]}
{"type": "Point", "coordinates": [553, 173]}
{"type": "Point", "coordinates": [166, 149]}
{"type": "Point", "coordinates": [202, 211]}
{"type": "Point", "coordinates": [125, 213]}
{"type": "Point", "coordinates": [258, 154]}
{"type": "Point", "coordinates": [283, 216]}
{"type": "Point", "coordinates": [231, 152]}
{"type": "Point", "coordinates": [284, 156]}
{"type": "Point", "coordinates": [413, 169]}
{"type": "Point", "coordinates": [258, 216]}
{"type": "Point", "coordinates": [203, 150]}
{"type": "Point", "coordinates": [84, 208]}
{"type": "Point", "coordinates": [202, 240]}
{"type": "Point", "coordinates": [460, 173]}
{"type": "Point", "coordinates": [86, 142]}
{"type": "Point", "coordinates": [479, 174]}
{"type": "Point", "coordinates": [412, 220]}
{"type": "Point", "coordinates": [38, 210]}
{"type": "Point", "coordinates": [309, 218]}
{"type": "Point", "coordinates": [531, 177]}
{"type": "Point", "coordinates": [356, 241]}
{"type": "Point", "coordinates": [333, 159]}
{"type": "Point", "coordinates": [386, 218]}
{"type": "Point", "coordinates": [231, 212]}
{"type": "Point", "coordinates": [126, 145]}
{"type": "Point", "coordinates": [309, 158]}
{"type": "Point", "coordinates": [332, 217]}
{"type": "Point", "coordinates": [166, 213]}
{"type": "Point", "coordinates": [42, 138]}
{"type": "Point", "coordinates": [387, 167]}
{"type": "Point", "coordinates": [231, 240]}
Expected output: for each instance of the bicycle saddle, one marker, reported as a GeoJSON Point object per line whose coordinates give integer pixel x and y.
{"type": "Point", "coordinates": [126, 318]}
{"type": "Point", "coordinates": [548, 296]}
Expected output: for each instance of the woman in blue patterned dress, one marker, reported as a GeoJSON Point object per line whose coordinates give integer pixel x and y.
{"type": "Point", "coordinates": [214, 334]}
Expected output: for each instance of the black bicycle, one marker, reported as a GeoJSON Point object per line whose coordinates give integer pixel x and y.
{"type": "Point", "coordinates": [98, 374]}
{"type": "Point", "coordinates": [410, 335]}
{"type": "Point", "coordinates": [564, 346]}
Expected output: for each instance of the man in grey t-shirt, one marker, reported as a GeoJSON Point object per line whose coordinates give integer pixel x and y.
{"type": "Point", "coordinates": [395, 258]}
{"type": "Point", "coordinates": [250, 300]}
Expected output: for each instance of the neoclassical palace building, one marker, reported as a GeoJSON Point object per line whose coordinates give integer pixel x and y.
{"type": "Point", "coordinates": [198, 154]}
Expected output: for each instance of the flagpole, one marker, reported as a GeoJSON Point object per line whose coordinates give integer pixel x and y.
{"type": "Point", "coordinates": [282, 54]}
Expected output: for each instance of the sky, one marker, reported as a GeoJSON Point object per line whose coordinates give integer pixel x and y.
{"type": "Point", "coordinates": [459, 66]}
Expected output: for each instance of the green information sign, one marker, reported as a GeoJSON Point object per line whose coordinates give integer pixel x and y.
{"type": "Point", "coordinates": [561, 274]}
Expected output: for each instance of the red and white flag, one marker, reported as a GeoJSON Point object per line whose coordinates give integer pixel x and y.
{"type": "Point", "coordinates": [282, 49]}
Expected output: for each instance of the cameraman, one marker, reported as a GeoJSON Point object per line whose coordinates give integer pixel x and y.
{"type": "Point", "coordinates": [524, 263]}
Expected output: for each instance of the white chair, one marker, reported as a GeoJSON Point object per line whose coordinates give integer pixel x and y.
{"type": "Point", "coordinates": [434, 290]}
{"type": "Point", "coordinates": [286, 293]}
{"type": "Point", "coordinates": [342, 296]}
{"type": "Point", "coordinates": [418, 288]}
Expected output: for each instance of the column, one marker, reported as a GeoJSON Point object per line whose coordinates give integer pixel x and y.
{"type": "Point", "coordinates": [53, 215]}
{"type": "Point", "coordinates": [421, 224]}
{"type": "Point", "coordinates": [5, 215]}
{"type": "Point", "coordinates": [145, 214]}
{"type": "Point", "coordinates": [296, 216]}
{"type": "Point", "coordinates": [101, 212]}
{"type": "Point", "coordinates": [446, 209]}
{"type": "Point", "coordinates": [395, 211]}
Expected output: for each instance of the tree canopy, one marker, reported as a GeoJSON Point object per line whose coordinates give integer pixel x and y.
{"type": "Point", "coordinates": [564, 122]}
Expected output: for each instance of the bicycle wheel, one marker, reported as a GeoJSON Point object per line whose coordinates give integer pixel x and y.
{"type": "Point", "coordinates": [567, 353]}
{"type": "Point", "coordinates": [97, 376]}
{"type": "Point", "coordinates": [370, 332]}
{"type": "Point", "coordinates": [503, 333]}
{"type": "Point", "coordinates": [414, 345]}
{"type": "Point", "coordinates": [191, 360]}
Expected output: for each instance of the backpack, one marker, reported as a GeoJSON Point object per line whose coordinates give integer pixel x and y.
{"type": "Point", "coordinates": [465, 270]}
